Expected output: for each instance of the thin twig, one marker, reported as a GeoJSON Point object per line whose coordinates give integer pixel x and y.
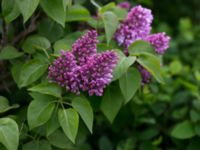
{"type": "Point", "coordinates": [31, 28]}
{"type": "Point", "coordinates": [4, 35]}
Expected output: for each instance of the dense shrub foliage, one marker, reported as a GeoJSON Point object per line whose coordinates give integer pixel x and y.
{"type": "Point", "coordinates": [105, 75]}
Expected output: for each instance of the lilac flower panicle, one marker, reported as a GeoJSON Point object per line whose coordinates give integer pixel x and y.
{"type": "Point", "coordinates": [64, 71]}
{"type": "Point", "coordinates": [124, 5]}
{"type": "Point", "coordinates": [97, 73]}
{"type": "Point", "coordinates": [160, 41]}
{"type": "Point", "coordinates": [83, 68]}
{"type": "Point", "coordinates": [136, 26]}
{"type": "Point", "coordinates": [85, 46]}
{"type": "Point", "coordinates": [146, 76]}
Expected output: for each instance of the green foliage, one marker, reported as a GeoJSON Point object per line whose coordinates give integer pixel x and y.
{"type": "Point", "coordinates": [40, 111]}
{"type": "Point", "coordinates": [84, 108]}
{"type": "Point", "coordinates": [47, 88]}
{"type": "Point", "coordinates": [10, 10]}
{"type": "Point", "coordinates": [69, 120]}
{"type": "Point", "coordinates": [4, 105]}
{"type": "Point", "coordinates": [37, 145]}
{"type": "Point", "coordinates": [55, 9]}
{"type": "Point", "coordinates": [112, 102]}
{"type": "Point", "coordinates": [9, 133]}
{"type": "Point", "coordinates": [27, 7]}
{"type": "Point", "coordinates": [40, 115]}
{"type": "Point", "coordinates": [126, 83]}
{"type": "Point", "coordinates": [183, 130]}
{"type": "Point", "coordinates": [31, 71]}
{"type": "Point", "coordinates": [111, 23]}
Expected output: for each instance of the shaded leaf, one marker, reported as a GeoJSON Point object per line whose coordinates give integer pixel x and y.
{"type": "Point", "coordinates": [152, 64]}
{"type": "Point", "coordinates": [111, 23]}
{"type": "Point", "coordinates": [84, 108]}
{"type": "Point", "coordinates": [39, 112]}
{"type": "Point", "coordinates": [47, 88]}
{"type": "Point", "coordinates": [77, 13]}
{"type": "Point", "coordinates": [9, 133]}
{"type": "Point", "coordinates": [111, 102]}
{"type": "Point", "coordinates": [37, 145]}
{"type": "Point", "coordinates": [31, 71]}
{"type": "Point", "coordinates": [55, 10]}
{"type": "Point", "coordinates": [35, 42]}
{"type": "Point", "coordinates": [69, 120]}
{"type": "Point", "coordinates": [9, 52]}
{"type": "Point", "coordinates": [183, 130]}
{"type": "Point", "coordinates": [58, 139]}
{"type": "Point", "coordinates": [10, 10]}
{"type": "Point", "coordinates": [129, 83]}
{"type": "Point", "coordinates": [4, 105]}
{"type": "Point", "coordinates": [27, 7]}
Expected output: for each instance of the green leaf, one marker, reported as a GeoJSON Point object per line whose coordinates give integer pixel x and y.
{"type": "Point", "coordinates": [107, 7]}
{"type": "Point", "coordinates": [129, 83]}
{"type": "Point", "coordinates": [183, 130]}
{"type": "Point", "coordinates": [112, 102]}
{"type": "Point", "coordinates": [148, 133]}
{"type": "Point", "coordinates": [52, 125]}
{"type": "Point", "coordinates": [50, 29]}
{"type": "Point", "coordinates": [152, 64]}
{"type": "Point", "coordinates": [9, 133]}
{"type": "Point", "coordinates": [10, 10]}
{"type": "Point", "coordinates": [15, 70]}
{"type": "Point", "coordinates": [58, 139]}
{"type": "Point", "coordinates": [34, 42]}
{"type": "Point", "coordinates": [39, 112]}
{"type": "Point", "coordinates": [84, 108]}
{"type": "Point", "coordinates": [175, 67]}
{"type": "Point", "coordinates": [55, 10]}
{"type": "Point", "coordinates": [77, 13]}
{"type": "Point", "coordinates": [111, 23]}
{"type": "Point", "coordinates": [140, 47]}
{"type": "Point", "coordinates": [122, 66]}
{"type": "Point", "coordinates": [27, 7]}
{"type": "Point", "coordinates": [119, 12]}
{"type": "Point", "coordinates": [4, 105]}
{"type": "Point", "coordinates": [194, 115]}
{"type": "Point", "coordinates": [47, 88]}
{"type": "Point", "coordinates": [31, 71]}
{"type": "Point", "coordinates": [9, 52]}
{"type": "Point", "coordinates": [69, 120]}
{"type": "Point", "coordinates": [37, 145]}
{"type": "Point", "coordinates": [105, 144]}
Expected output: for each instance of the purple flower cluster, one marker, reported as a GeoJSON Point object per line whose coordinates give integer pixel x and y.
{"type": "Point", "coordinates": [83, 68]}
{"type": "Point", "coordinates": [137, 26]}
{"type": "Point", "coordinates": [159, 41]}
